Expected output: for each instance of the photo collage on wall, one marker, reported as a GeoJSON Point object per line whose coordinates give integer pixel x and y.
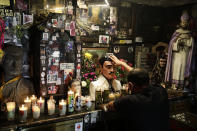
{"type": "Point", "coordinates": [96, 25]}
{"type": "Point", "coordinates": [57, 56]}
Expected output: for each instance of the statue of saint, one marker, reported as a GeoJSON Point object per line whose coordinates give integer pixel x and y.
{"type": "Point", "coordinates": [180, 55]}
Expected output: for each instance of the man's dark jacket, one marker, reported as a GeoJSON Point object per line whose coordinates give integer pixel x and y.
{"type": "Point", "coordinates": [145, 111]}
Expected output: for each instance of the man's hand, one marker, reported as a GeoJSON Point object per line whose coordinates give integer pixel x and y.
{"type": "Point", "coordinates": [107, 107]}
{"type": "Point", "coordinates": [110, 105]}
{"type": "Point", "coordinates": [115, 60]}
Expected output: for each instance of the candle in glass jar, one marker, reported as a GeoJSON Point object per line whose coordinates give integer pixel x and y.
{"type": "Point", "coordinates": [117, 95]}
{"type": "Point", "coordinates": [33, 99]}
{"type": "Point", "coordinates": [11, 110]}
{"type": "Point", "coordinates": [23, 113]}
{"type": "Point", "coordinates": [88, 103]}
{"type": "Point", "coordinates": [41, 103]}
{"type": "Point", "coordinates": [78, 102]}
{"type": "Point", "coordinates": [62, 107]}
{"type": "Point", "coordinates": [51, 106]}
{"type": "Point", "coordinates": [111, 96]}
{"type": "Point", "coordinates": [27, 102]}
{"type": "Point", "coordinates": [70, 101]}
{"type": "Point", "coordinates": [36, 111]}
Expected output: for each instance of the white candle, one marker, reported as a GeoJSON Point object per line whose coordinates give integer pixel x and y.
{"type": "Point", "coordinates": [88, 102]}
{"type": "Point", "coordinates": [41, 103]}
{"type": "Point", "coordinates": [70, 101]}
{"type": "Point", "coordinates": [11, 110]}
{"type": "Point", "coordinates": [78, 103]}
{"type": "Point", "coordinates": [111, 96]}
{"type": "Point", "coordinates": [23, 113]}
{"type": "Point", "coordinates": [36, 111]}
{"type": "Point", "coordinates": [27, 102]}
{"type": "Point", "coordinates": [33, 99]}
{"type": "Point", "coordinates": [51, 106]}
{"type": "Point", "coordinates": [62, 107]}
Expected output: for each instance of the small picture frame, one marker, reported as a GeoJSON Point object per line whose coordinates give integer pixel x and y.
{"type": "Point", "coordinates": [67, 26]}
{"type": "Point", "coordinates": [54, 22]}
{"type": "Point", "coordinates": [54, 38]}
{"type": "Point", "coordinates": [104, 39]}
{"type": "Point", "coordinates": [45, 36]}
{"type": "Point", "coordinates": [27, 18]}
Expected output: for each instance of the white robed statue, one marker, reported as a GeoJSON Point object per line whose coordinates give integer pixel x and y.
{"type": "Point", "coordinates": [179, 55]}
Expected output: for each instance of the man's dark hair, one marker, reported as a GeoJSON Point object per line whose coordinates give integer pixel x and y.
{"type": "Point", "coordinates": [103, 59]}
{"type": "Point", "coordinates": [139, 77]}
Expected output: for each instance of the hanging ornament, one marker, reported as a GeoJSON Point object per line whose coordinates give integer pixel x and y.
{"type": "Point", "coordinates": [130, 49]}
{"type": "Point", "coordinates": [116, 49]}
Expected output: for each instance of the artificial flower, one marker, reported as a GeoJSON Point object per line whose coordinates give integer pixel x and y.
{"type": "Point", "coordinates": [88, 55]}
{"type": "Point", "coordinates": [83, 83]}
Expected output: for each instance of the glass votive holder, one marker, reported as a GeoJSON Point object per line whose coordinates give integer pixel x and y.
{"type": "Point", "coordinates": [41, 104]}
{"type": "Point", "coordinates": [106, 96]}
{"type": "Point", "coordinates": [62, 107]}
{"type": "Point", "coordinates": [112, 96]}
{"type": "Point", "coordinates": [123, 92]}
{"type": "Point", "coordinates": [117, 95]}
{"type": "Point", "coordinates": [33, 99]}
{"type": "Point", "coordinates": [35, 111]}
{"type": "Point", "coordinates": [27, 102]}
{"type": "Point", "coordinates": [70, 101]}
{"type": "Point", "coordinates": [78, 102]}
{"type": "Point", "coordinates": [51, 106]}
{"type": "Point", "coordinates": [10, 110]}
{"type": "Point", "coordinates": [23, 113]}
{"type": "Point", "coordinates": [88, 103]}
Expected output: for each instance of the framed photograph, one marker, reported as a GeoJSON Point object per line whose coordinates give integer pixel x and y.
{"type": "Point", "coordinates": [45, 36]}
{"type": "Point", "coordinates": [104, 39]}
{"type": "Point", "coordinates": [72, 32]}
{"type": "Point", "coordinates": [27, 18]}
{"type": "Point", "coordinates": [72, 25]}
{"type": "Point", "coordinates": [67, 26]}
{"type": "Point", "coordinates": [52, 76]}
{"type": "Point", "coordinates": [54, 22]}
{"type": "Point", "coordinates": [52, 89]}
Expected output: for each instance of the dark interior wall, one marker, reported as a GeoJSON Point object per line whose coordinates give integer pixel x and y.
{"type": "Point", "coordinates": [156, 24]}
{"type": "Point", "coordinates": [124, 18]}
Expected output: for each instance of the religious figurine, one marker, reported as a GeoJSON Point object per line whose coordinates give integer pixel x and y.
{"type": "Point", "coordinates": [180, 55]}
{"type": "Point", "coordinates": [14, 87]}
{"type": "Point", "coordinates": [158, 72]}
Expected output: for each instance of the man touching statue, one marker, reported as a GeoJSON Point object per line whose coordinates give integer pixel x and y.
{"type": "Point", "coordinates": [106, 79]}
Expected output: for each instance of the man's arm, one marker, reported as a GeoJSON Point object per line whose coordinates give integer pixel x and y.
{"type": "Point", "coordinates": [121, 105]}
{"type": "Point", "coordinates": [110, 106]}
{"type": "Point", "coordinates": [117, 62]}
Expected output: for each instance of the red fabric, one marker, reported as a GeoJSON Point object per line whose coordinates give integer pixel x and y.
{"type": "Point", "coordinates": [2, 30]}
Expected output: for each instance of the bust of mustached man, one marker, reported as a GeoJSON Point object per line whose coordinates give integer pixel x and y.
{"type": "Point", "coordinates": [14, 87]}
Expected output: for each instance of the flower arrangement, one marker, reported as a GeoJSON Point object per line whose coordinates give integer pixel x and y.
{"type": "Point", "coordinates": [89, 77]}
{"type": "Point", "coordinates": [88, 69]}
{"type": "Point", "coordinates": [121, 73]}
